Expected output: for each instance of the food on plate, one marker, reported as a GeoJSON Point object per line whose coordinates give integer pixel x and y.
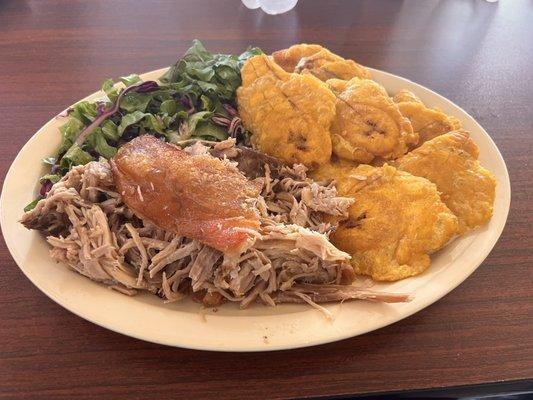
{"type": "Point", "coordinates": [197, 196]}
{"type": "Point", "coordinates": [92, 229]}
{"type": "Point", "coordinates": [288, 114]}
{"type": "Point", "coordinates": [427, 122]}
{"type": "Point", "coordinates": [316, 60]}
{"type": "Point", "coordinates": [451, 162]}
{"type": "Point", "coordinates": [193, 100]}
{"type": "Point", "coordinates": [340, 171]}
{"type": "Point", "coordinates": [238, 179]}
{"type": "Point", "coordinates": [406, 96]}
{"type": "Point", "coordinates": [396, 221]}
{"type": "Point", "coordinates": [368, 123]}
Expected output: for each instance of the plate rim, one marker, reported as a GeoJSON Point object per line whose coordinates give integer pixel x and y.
{"type": "Point", "coordinates": [328, 338]}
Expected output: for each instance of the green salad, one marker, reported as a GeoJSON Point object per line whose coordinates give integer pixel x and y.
{"type": "Point", "coordinates": [193, 100]}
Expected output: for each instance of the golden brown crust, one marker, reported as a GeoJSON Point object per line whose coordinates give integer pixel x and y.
{"type": "Point", "coordinates": [405, 96]}
{"type": "Point", "coordinates": [428, 123]}
{"type": "Point", "coordinates": [200, 197]}
{"type": "Point", "coordinates": [450, 161]}
{"type": "Point", "coordinates": [290, 57]}
{"type": "Point", "coordinates": [289, 115]}
{"type": "Point", "coordinates": [318, 61]}
{"type": "Point", "coordinates": [396, 221]}
{"type": "Point", "coordinates": [368, 123]}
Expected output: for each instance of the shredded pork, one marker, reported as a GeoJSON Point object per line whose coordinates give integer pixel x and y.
{"type": "Point", "coordinates": [94, 233]}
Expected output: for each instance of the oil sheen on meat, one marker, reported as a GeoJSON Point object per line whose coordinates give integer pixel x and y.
{"type": "Point", "coordinates": [200, 197]}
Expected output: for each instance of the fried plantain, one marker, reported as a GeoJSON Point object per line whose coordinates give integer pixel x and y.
{"type": "Point", "coordinates": [289, 115]}
{"type": "Point", "coordinates": [368, 123]}
{"type": "Point", "coordinates": [396, 221]}
{"type": "Point", "coordinates": [450, 161]}
{"type": "Point", "coordinates": [318, 61]}
{"type": "Point", "coordinates": [428, 123]}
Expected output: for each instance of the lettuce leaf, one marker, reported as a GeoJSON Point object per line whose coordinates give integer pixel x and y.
{"type": "Point", "coordinates": [50, 160]}
{"type": "Point", "coordinates": [110, 130]}
{"type": "Point", "coordinates": [98, 142]}
{"type": "Point", "coordinates": [69, 131]}
{"type": "Point", "coordinates": [129, 80]}
{"type": "Point", "coordinates": [130, 119]}
{"type": "Point", "coordinates": [32, 205]}
{"type": "Point", "coordinates": [196, 118]}
{"type": "Point", "coordinates": [136, 101]}
{"type": "Point", "coordinates": [154, 123]}
{"type": "Point", "coordinates": [84, 111]}
{"type": "Point", "coordinates": [209, 131]}
{"type": "Point", "coordinates": [74, 156]}
{"type": "Point", "coordinates": [202, 72]}
{"type": "Point", "coordinates": [54, 178]}
{"type": "Point", "coordinates": [169, 107]}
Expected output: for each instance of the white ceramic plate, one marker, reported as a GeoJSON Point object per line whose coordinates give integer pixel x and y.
{"type": "Point", "coordinates": [258, 328]}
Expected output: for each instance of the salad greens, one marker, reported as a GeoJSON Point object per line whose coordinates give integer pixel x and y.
{"type": "Point", "coordinates": [195, 99]}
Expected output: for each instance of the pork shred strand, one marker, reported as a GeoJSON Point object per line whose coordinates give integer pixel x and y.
{"type": "Point", "coordinates": [94, 233]}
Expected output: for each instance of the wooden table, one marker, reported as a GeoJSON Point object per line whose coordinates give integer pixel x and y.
{"type": "Point", "coordinates": [478, 54]}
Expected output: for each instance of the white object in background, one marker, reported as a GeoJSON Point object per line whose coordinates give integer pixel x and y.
{"type": "Point", "coordinates": [271, 6]}
{"type": "Point", "coordinates": [252, 4]}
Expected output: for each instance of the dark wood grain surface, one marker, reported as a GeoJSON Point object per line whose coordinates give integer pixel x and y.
{"type": "Point", "coordinates": [478, 54]}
